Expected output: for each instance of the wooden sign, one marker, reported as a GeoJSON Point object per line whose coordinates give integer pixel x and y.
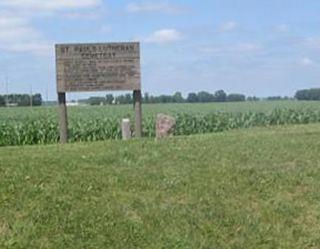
{"type": "Point", "coordinates": [98, 67]}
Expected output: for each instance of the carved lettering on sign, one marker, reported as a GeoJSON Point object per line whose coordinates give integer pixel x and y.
{"type": "Point", "coordinates": [98, 67]}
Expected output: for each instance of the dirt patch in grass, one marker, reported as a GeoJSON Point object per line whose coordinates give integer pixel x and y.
{"type": "Point", "coordinates": [4, 228]}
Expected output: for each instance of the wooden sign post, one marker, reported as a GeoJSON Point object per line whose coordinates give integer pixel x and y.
{"type": "Point", "coordinates": [137, 100]}
{"type": "Point", "coordinates": [98, 67]}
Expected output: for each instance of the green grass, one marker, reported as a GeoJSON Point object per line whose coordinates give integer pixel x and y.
{"type": "Point", "coordinates": [256, 188]}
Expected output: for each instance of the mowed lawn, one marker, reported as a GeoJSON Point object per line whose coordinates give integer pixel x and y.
{"type": "Point", "coordinates": [257, 188]}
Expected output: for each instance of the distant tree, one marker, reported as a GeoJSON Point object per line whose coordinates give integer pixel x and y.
{"type": "Point", "coordinates": [220, 96]}
{"type": "Point", "coordinates": [152, 99]}
{"type": "Point", "coordinates": [192, 98]}
{"type": "Point", "coordinates": [303, 95]}
{"type": "Point", "coordinates": [177, 97]}
{"type": "Point", "coordinates": [308, 94]}
{"type": "Point", "coordinates": [21, 99]}
{"type": "Point", "coordinates": [96, 100]}
{"type": "Point", "coordinates": [128, 98]}
{"type": "Point", "coordinates": [120, 99]}
{"type": "Point", "coordinates": [37, 99]}
{"type": "Point", "coordinates": [205, 97]}
{"type": "Point", "coordinates": [146, 98]}
{"type": "Point", "coordinates": [165, 99]}
{"type": "Point", "coordinates": [274, 98]}
{"type": "Point", "coordinates": [16, 98]}
{"type": "Point", "coordinates": [84, 101]}
{"type": "Point", "coordinates": [236, 97]}
{"type": "Point", "coordinates": [109, 99]}
{"type": "Point", "coordinates": [2, 100]}
{"type": "Point", "coordinates": [124, 99]}
{"type": "Point", "coordinates": [253, 98]}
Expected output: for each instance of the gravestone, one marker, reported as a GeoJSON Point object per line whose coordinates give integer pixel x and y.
{"type": "Point", "coordinates": [126, 129]}
{"type": "Point", "coordinates": [165, 126]}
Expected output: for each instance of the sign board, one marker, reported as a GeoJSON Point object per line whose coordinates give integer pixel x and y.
{"type": "Point", "coordinates": [98, 67]}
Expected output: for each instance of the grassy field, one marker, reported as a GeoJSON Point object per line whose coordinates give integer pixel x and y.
{"type": "Point", "coordinates": [22, 126]}
{"type": "Point", "coordinates": [255, 188]}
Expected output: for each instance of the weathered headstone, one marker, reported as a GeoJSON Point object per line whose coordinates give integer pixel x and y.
{"type": "Point", "coordinates": [126, 129]}
{"type": "Point", "coordinates": [165, 125]}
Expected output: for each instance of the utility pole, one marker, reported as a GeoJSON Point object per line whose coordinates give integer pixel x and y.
{"type": "Point", "coordinates": [7, 91]}
{"type": "Point", "coordinates": [31, 97]}
{"type": "Point", "coordinates": [47, 93]}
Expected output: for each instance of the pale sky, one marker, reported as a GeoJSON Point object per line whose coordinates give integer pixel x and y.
{"type": "Point", "coordinates": [265, 47]}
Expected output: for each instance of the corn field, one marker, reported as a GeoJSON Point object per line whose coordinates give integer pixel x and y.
{"type": "Point", "coordinates": [23, 126]}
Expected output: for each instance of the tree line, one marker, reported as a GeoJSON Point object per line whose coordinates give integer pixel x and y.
{"type": "Point", "coordinates": [21, 100]}
{"type": "Point", "coordinates": [308, 94]}
{"type": "Point", "coordinates": [177, 97]}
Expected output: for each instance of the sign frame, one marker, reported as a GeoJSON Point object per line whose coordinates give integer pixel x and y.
{"type": "Point", "coordinates": [93, 67]}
